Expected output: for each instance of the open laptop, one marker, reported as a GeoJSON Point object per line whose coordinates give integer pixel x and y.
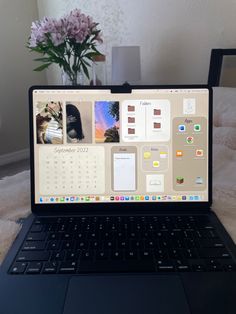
{"type": "Point", "coordinates": [121, 191]}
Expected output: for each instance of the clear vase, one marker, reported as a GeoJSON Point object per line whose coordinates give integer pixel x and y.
{"type": "Point", "coordinates": [77, 79]}
{"type": "Point", "coordinates": [98, 70]}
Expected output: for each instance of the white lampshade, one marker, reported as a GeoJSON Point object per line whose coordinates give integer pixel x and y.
{"type": "Point", "coordinates": [126, 64]}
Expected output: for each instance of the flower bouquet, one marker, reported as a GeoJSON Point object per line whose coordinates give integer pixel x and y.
{"type": "Point", "coordinates": [69, 42]}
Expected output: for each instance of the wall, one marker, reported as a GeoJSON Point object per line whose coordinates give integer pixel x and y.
{"type": "Point", "coordinates": [176, 37]}
{"type": "Point", "coordinates": [16, 68]}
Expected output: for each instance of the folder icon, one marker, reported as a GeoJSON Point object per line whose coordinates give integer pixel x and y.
{"type": "Point", "coordinates": [131, 108]}
{"type": "Point", "coordinates": [157, 125]}
{"type": "Point", "coordinates": [157, 112]}
{"type": "Point", "coordinates": [131, 120]}
{"type": "Point", "coordinates": [131, 131]}
{"type": "Point", "coordinates": [147, 155]}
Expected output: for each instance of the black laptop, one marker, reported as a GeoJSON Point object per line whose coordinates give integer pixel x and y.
{"type": "Point", "coordinates": [121, 192]}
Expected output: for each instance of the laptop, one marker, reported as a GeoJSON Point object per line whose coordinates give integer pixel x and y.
{"type": "Point", "coordinates": [121, 193]}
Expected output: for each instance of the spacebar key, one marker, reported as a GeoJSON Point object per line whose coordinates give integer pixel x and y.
{"type": "Point", "coordinates": [116, 267]}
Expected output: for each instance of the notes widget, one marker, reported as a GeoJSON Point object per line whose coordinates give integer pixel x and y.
{"type": "Point", "coordinates": [154, 158]}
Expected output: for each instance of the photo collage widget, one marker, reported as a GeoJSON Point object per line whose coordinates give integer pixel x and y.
{"type": "Point", "coordinates": [80, 123]}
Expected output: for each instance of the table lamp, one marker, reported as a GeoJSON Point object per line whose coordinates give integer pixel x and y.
{"type": "Point", "coordinates": [126, 65]}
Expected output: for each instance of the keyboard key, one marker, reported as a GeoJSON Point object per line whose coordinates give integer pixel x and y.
{"type": "Point", "coordinates": [191, 243]}
{"type": "Point", "coordinates": [131, 255]}
{"type": "Point", "coordinates": [214, 268]}
{"type": "Point", "coordinates": [189, 253]}
{"type": "Point", "coordinates": [114, 267]}
{"type": "Point", "coordinates": [102, 255]}
{"type": "Point", "coordinates": [54, 236]}
{"type": "Point", "coordinates": [229, 267]}
{"type": "Point", "coordinates": [33, 246]}
{"type": "Point", "coordinates": [18, 268]}
{"type": "Point", "coordinates": [72, 255]}
{"type": "Point", "coordinates": [67, 267]}
{"type": "Point", "coordinates": [165, 265]}
{"type": "Point", "coordinates": [82, 245]}
{"type": "Point", "coordinates": [117, 255]}
{"type": "Point", "coordinates": [198, 268]}
{"type": "Point", "coordinates": [146, 255]}
{"type": "Point", "coordinates": [58, 256]}
{"type": "Point", "coordinates": [175, 253]}
{"type": "Point", "coordinates": [36, 236]}
{"type": "Point", "coordinates": [50, 268]}
{"type": "Point", "coordinates": [161, 254]}
{"type": "Point", "coordinates": [53, 245]}
{"type": "Point", "coordinates": [36, 228]}
{"type": "Point", "coordinates": [67, 245]}
{"type": "Point", "coordinates": [214, 253]}
{"type": "Point", "coordinates": [197, 265]}
{"type": "Point", "coordinates": [211, 243]}
{"type": "Point", "coordinates": [66, 236]}
{"type": "Point", "coordinates": [87, 255]}
{"type": "Point", "coordinates": [34, 268]}
{"type": "Point", "coordinates": [181, 265]}
{"type": "Point", "coordinates": [33, 256]}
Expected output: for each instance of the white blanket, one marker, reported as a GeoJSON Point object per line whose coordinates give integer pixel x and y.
{"type": "Point", "coordinates": [224, 157]}
{"type": "Point", "coordinates": [15, 190]}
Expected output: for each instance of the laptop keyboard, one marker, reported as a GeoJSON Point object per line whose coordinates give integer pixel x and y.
{"type": "Point", "coordinates": [69, 245]}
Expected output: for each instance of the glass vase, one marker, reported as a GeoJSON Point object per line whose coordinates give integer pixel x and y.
{"type": "Point", "coordinates": [98, 70]}
{"type": "Point", "coordinates": [73, 80]}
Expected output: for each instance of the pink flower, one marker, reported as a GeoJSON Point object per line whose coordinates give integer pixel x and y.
{"type": "Point", "coordinates": [68, 32]}
{"type": "Point", "coordinates": [75, 25]}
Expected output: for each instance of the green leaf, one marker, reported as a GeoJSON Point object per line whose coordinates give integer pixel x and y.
{"type": "Point", "coordinates": [91, 54]}
{"type": "Point", "coordinates": [42, 67]}
{"type": "Point", "coordinates": [94, 49]}
{"type": "Point", "coordinates": [86, 63]}
{"type": "Point", "coordinates": [42, 59]}
{"type": "Point", "coordinates": [85, 69]}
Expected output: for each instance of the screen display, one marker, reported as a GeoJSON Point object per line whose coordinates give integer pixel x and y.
{"type": "Point", "coordinates": [150, 145]}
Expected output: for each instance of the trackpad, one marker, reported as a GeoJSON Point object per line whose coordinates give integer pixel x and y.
{"type": "Point", "coordinates": [126, 294]}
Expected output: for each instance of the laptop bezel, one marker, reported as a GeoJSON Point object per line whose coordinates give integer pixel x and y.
{"type": "Point", "coordinates": [124, 207]}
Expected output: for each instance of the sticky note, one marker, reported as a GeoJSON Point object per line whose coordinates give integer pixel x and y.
{"type": "Point", "coordinates": [155, 163]}
{"type": "Point", "coordinates": [163, 154]}
{"type": "Point", "coordinates": [147, 155]}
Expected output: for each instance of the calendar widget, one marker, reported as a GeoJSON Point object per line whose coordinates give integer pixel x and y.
{"type": "Point", "coordinates": [71, 170]}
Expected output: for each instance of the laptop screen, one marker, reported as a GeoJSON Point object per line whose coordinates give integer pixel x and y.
{"type": "Point", "coordinates": [94, 146]}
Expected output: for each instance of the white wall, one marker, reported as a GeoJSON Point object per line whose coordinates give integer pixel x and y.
{"type": "Point", "coordinates": [176, 36]}
{"type": "Point", "coordinates": [16, 73]}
